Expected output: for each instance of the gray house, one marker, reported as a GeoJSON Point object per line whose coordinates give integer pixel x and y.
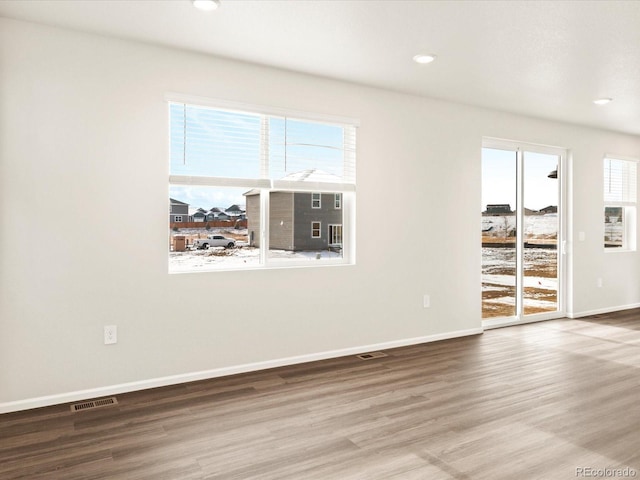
{"type": "Point", "coordinates": [199, 215]}
{"type": "Point", "coordinates": [178, 211]}
{"type": "Point", "coordinates": [297, 220]}
{"type": "Point", "coordinates": [235, 211]}
{"type": "Point", "coordinates": [498, 209]}
{"type": "Point", "coordinates": [549, 209]}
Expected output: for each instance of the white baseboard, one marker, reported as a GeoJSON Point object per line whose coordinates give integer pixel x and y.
{"type": "Point", "coordinates": [603, 310]}
{"type": "Point", "coordinates": [221, 372]}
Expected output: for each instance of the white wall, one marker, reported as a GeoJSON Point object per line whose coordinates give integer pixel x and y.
{"type": "Point", "coordinates": [83, 221]}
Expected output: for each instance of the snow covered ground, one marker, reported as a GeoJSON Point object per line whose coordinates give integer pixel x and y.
{"type": "Point", "coordinates": [540, 281]}
{"type": "Point", "coordinates": [231, 258]}
{"type": "Point", "coordinates": [239, 257]}
{"type": "Point", "coordinates": [536, 226]}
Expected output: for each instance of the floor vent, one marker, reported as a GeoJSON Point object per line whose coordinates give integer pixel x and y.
{"type": "Point", "coordinates": [370, 355]}
{"type": "Point", "coordinates": [103, 402]}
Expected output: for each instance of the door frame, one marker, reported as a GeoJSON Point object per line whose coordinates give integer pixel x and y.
{"type": "Point", "coordinates": [520, 148]}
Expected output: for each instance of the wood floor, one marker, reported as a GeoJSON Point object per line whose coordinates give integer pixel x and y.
{"type": "Point", "coordinates": [539, 401]}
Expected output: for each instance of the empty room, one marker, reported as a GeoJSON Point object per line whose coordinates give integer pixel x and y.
{"type": "Point", "coordinates": [319, 239]}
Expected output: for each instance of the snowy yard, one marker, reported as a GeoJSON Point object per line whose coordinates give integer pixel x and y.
{"type": "Point", "coordinates": [229, 258]}
{"type": "Point", "coordinates": [540, 281]}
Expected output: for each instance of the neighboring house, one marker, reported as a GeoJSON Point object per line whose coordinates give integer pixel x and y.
{"type": "Point", "coordinates": [498, 209]}
{"type": "Point", "coordinates": [235, 211]}
{"type": "Point", "coordinates": [199, 215]}
{"type": "Point", "coordinates": [181, 212]}
{"type": "Point", "coordinates": [297, 220]}
{"type": "Point", "coordinates": [178, 211]}
{"type": "Point", "coordinates": [549, 209]}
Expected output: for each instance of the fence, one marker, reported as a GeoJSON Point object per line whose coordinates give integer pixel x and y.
{"type": "Point", "coordinates": [212, 224]}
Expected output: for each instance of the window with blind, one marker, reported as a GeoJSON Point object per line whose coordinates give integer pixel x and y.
{"type": "Point", "coordinates": [620, 198]}
{"type": "Point", "coordinates": [259, 177]}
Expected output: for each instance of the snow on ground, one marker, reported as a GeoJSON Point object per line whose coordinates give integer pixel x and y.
{"type": "Point", "coordinates": [497, 282]}
{"type": "Point", "coordinates": [540, 226]}
{"type": "Point", "coordinates": [240, 257]}
{"type": "Point", "coordinates": [498, 264]}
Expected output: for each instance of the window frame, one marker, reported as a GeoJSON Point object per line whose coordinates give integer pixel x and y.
{"type": "Point", "coordinates": [337, 201]}
{"type": "Point", "coordinates": [264, 185]}
{"type": "Point", "coordinates": [318, 229]}
{"type": "Point", "coordinates": [316, 200]}
{"type": "Point", "coordinates": [330, 241]}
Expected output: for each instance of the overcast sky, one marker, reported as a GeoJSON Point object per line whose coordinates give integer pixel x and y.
{"type": "Point", "coordinates": [499, 179]}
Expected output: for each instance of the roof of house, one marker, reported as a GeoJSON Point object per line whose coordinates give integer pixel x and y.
{"type": "Point", "coordinates": [234, 208]}
{"type": "Point", "coordinates": [312, 175]}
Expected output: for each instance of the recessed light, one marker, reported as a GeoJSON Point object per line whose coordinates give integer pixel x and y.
{"type": "Point", "coordinates": [602, 101]}
{"type": "Point", "coordinates": [206, 5]}
{"type": "Point", "coordinates": [424, 58]}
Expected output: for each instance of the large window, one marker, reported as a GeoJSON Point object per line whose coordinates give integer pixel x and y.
{"type": "Point", "coordinates": [620, 196]}
{"type": "Point", "coordinates": [260, 178]}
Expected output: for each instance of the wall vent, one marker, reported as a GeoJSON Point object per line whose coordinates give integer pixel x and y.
{"type": "Point", "coordinates": [370, 355]}
{"type": "Point", "coordinates": [91, 404]}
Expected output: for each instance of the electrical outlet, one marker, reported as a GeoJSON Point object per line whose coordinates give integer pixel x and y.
{"type": "Point", "coordinates": [426, 301]}
{"type": "Point", "coordinates": [110, 334]}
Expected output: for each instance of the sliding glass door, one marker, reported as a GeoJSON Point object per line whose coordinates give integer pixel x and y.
{"type": "Point", "coordinates": [522, 234]}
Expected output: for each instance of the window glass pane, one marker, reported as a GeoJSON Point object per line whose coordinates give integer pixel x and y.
{"type": "Point", "coordinates": [299, 232]}
{"type": "Point", "coordinates": [208, 229]}
{"type": "Point", "coordinates": [308, 151]}
{"type": "Point", "coordinates": [498, 233]}
{"type": "Point", "coordinates": [214, 143]}
{"type": "Point", "coordinates": [540, 235]}
{"type": "Point", "coordinates": [613, 227]}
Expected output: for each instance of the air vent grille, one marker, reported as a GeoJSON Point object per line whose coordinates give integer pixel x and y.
{"type": "Point", "coordinates": [91, 404]}
{"type": "Point", "coordinates": [370, 355]}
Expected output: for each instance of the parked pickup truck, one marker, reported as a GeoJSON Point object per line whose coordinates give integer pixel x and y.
{"type": "Point", "coordinates": [214, 241]}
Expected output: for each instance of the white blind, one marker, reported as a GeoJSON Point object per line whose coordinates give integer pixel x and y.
{"type": "Point", "coordinates": [209, 145]}
{"type": "Point", "coordinates": [214, 143]}
{"type": "Point", "coordinates": [620, 181]}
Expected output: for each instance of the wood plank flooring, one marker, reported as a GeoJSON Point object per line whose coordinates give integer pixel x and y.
{"type": "Point", "coordinates": [539, 401]}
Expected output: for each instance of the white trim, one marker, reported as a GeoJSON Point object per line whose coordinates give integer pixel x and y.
{"type": "Point", "coordinates": [504, 144]}
{"type": "Point", "coordinates": [188, 180]}
{"type": "Point", "coordinates": [500, 322]}
{"type": "Point", "coordinates": [600, 311]}
{"type": "Point", "coordinates": [61, 398]}
{"type": "Point", "coordinates": [192, 180]}
{"type": "Point", "coordinates": [233, 106]}
{"type": "Point", "coordinates": [319, 229]}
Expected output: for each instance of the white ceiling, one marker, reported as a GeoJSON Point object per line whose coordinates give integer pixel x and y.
{"type": "Point", "coordinates": [545, 59]}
